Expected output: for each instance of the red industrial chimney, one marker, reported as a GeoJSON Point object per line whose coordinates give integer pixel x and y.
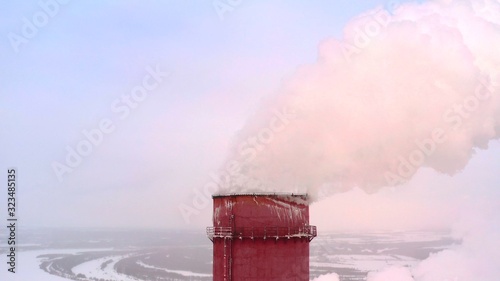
{"type": "Point", "coordinates": [261, 237]}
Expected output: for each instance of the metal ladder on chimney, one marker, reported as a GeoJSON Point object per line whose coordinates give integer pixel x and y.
{"type": "Point", "coordinates": [227, 259]}
{"type": "Point", "coordinates": [228, 251]}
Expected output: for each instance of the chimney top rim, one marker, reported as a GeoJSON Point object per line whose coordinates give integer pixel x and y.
{"type": "Point", "coordinates": [279, 194]}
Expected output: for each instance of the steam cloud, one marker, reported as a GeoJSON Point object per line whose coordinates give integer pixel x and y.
{"type": "Point", "coordinates": [327, 277]}
{"type": "Point", "coordinates": [414, 87]}
{"type": "Point", "coordinates": [418, 86]}
{"type": "Point", "coordinates": [475, 259]}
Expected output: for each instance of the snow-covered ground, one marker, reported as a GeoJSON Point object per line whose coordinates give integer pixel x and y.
{"type": "Point", "coordinates": [180, 272]}
{"type": "Point", "coordinates": [365, 262]}
{"type": "Point", "coordinates": [28, 265]}
{"type": "Point", "coordinates": [102, 268]}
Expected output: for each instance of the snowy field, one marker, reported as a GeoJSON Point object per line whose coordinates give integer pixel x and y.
{"type": "Point", "coordinates": [98, 255]}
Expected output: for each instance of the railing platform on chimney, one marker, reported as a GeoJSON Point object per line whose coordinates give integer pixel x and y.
{"type": "Point", "coordinates": [269, 232]}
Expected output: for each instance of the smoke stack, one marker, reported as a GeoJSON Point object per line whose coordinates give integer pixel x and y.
{"type": "Point", "coordinates": [261, 237]}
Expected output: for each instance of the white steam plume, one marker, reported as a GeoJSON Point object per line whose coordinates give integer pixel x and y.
{"type": "Point", "coordinates": [327, 277]}
{"type": "Point", "coordinates": [417, 87]}
{"type": "Point", "coordinates": [475, 259]}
